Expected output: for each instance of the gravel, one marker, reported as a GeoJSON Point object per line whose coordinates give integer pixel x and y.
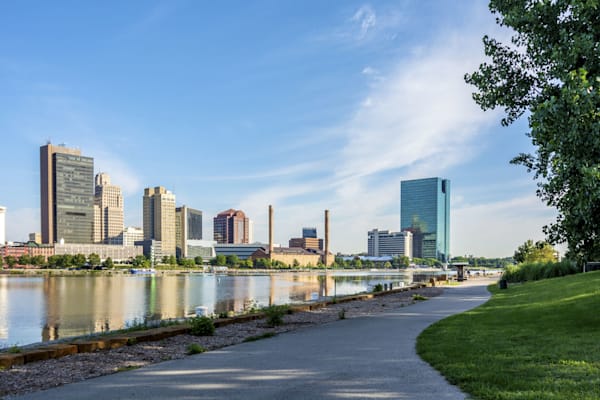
{"type": "Point", "coordinates": [55, 372]}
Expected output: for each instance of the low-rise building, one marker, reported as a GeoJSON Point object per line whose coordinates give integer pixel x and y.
{"type": "Point", "coordinates": [386, 243]}
{"type": "Point", "coordinates": [117, 253]}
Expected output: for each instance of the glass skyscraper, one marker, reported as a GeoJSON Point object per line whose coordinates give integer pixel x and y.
{"type": "Point", "coordinates": [425, 211]}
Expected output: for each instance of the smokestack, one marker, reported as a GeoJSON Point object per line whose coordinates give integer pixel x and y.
{"type": "Point", "coordinates": [326, 236]}
{"type": "Point", "coordinates": [270, 229]}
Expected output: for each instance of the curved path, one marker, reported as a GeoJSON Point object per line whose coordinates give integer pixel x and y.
{"type": "Point", "coordinates": [358, 358]}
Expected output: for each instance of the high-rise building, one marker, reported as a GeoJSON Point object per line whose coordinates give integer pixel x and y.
{"type": "Point", "coordinates": [425, 211]}
{"type": "Point", "coordinates": [67, 195]}
{"type": "Point", "coordinates": [386, 243]}
{"type": "Point", "coordinates": [159, 218]}
{"type": "Point", "coordinates": [108, 211]}
{"type": "Point", "coordinates": [2, 225]}
{"type": "Point", "coordinates": [231, 226]}
{"type": "Point", "coordinates": [35, 237]}
{"type": "Point", "coordinates": [310, 232]}
{"type": "Point", "coordinates": [188, 227]}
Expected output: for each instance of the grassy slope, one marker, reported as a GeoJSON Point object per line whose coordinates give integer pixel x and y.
{"type": "Point", "coordinates": [539, 340]}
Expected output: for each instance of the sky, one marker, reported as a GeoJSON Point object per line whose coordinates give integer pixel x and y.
{"type": "Point", "coordinates": [305, 105]}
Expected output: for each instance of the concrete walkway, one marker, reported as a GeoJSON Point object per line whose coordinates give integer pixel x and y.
{"type": "Point", "coordinates": [358, 358]}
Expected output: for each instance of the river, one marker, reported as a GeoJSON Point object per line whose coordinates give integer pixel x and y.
{"type": "Point", "coordinates": [45, 307]}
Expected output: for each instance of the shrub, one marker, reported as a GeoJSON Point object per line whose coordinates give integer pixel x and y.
{"type": "Point", "coordinates": [202, 326]}
{"type": "Point", "coordinates": [342, 314]}
{"type": "Point", "coordinates": [536, 271]}
{"type": "Point", "coordinates": [195, 348]}
{"type": "Point", "coordinates": [419, 297]}
{"type": "Point", "coordinates": [378, 288]}
{"type": "Point", "coordinates": [275, 314]}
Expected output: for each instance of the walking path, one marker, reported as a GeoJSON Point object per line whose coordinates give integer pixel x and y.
{"type": "Point", "coordinates": [358, 358]}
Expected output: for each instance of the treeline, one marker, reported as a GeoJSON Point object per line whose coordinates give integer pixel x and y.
{"type": "Point", "coordinates": [477, 262]}
{"type": "Point", "coordinates": [58, 261]}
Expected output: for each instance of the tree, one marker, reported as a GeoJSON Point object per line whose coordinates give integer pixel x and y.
{"type": "Point", "coordinates": [11, 261]}
{"type": "Point", "coordinates": [541, 251]}
{"type": "Point", "coordinates": [551, 70]}
{"type": "Point", "coordinates": [172, 260]}
{"type": "Point", "coordinates": [357, 263]}
{"type": "Point", "coordinates": [138, 261]}
{"type": "Point", "coordinates": [220, 260]}
{"type": "Point", "coordinates": [232, 260]}
{"type": "Point", "coordinates": [248, 263]}
{"type": "Point", "coordinates": [79, 260]}
{"type": "Point", "coordinates": [108, 263]}
{"type": "Point", "coordinates": [24, 259]}
{"type": "Point", "coordinates": [38, 260]}
{"type": "Point", "coordinates": [198, 260]}
{"type": "Point", "coordinates": [94, 259]}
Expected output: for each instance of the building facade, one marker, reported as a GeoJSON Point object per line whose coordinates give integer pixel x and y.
{"type": "Point", "coordinates": [386, 243]}
{"type": "Point", "coordinates": [231, 226]}
{"type": "Point", "coordinates": [35, 237]}
{"type": "Point", "coordinates": [67, 195]}
{"type": "Point", "coordinates": [425, 212]}
{"type": "Point", "coordinates": [159, 218]}
{"type": "Point", "coordinates": [131, 234]}
{"type": "Point", "coordinates": [307, 243]}
{"type": "Point", "coordinates": [188, 227]}
{"type": "Point", "coordinates": [108, 211]}
{"type": "Point", "coordinates": [2, 226]}
{"type": "Point", "coordinates": [117, 253]}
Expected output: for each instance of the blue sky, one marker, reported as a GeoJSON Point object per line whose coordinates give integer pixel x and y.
{"type": "Point", "coordinates": [305, 105]}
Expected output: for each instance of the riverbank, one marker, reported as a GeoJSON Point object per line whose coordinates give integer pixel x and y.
{"type": "Point", "coordinates": [55, 372]}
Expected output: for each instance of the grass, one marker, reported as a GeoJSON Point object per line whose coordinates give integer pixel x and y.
{"type": "Point", "coordinates": [537, 340]}
{"type": "Point", "coordinates": [419, 297]}
{"type": "Point", "coordinates": [195, 348]}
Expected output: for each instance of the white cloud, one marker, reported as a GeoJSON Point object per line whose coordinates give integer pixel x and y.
{"type": "Point", "coordinates": [366, 19]}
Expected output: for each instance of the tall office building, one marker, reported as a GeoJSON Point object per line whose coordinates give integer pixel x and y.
{"type": "Point", "coordinates": [2, 225]}
{"type": "Point", "coordinates": [108, 211]}
{"type": "Point", "coordinates": [188, 227]}
{"type": "Point", "coordinates": [67, 195]}
{"type": "Point", "coordinates": [386, 243]}
{"type": "Point", "coordinates": [159, 218]}
{"type": "Point", "coordinates": [310, 232]}
{"type": "Point", "coordinates": [231, 226]}
{"type": "Point", "coordinates": [425, 211]}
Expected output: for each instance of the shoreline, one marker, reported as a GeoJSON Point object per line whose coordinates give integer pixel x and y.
{"type": "Point", "coordinates": [41, 375]}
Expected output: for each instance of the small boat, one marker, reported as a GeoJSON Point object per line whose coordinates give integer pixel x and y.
{"type": "Point", "coordinates": [142, 271]}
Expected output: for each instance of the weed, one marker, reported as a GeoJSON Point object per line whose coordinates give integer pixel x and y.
{"type": "Point", "coordinates": [127, 368]}
{"type": "Point", "coordinates": [131, 341]}
{"type": "Point", "coordinates": [378, 288]}
{"type": "Point", "coordinates": [195, 348]}
{"type": "Point", "coordinates": [418, 297]}
{"type": "Point", "coordinates": [202, 326]}
{"type": "Point", "coordinates": [342, 313]}
{"type": "Point", "coordinates": [275, 314]}
{"type": "Point", "coordinates": [265, 335]}
{"type": "Point", "coordinates": [14, 349]}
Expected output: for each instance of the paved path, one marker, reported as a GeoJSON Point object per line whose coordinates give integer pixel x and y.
{"type": "Point", "coordinates": [358, 358]}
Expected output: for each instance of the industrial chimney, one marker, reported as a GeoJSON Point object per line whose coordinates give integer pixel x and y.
{"type": "Point", "coordinates": [326, 256]}
{"type": "Point", "coordinates": [270, 230]}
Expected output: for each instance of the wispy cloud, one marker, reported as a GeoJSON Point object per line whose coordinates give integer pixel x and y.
{"type": "Point", "coordinates": [366, 19]}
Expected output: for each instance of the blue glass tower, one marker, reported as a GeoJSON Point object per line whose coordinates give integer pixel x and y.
{"type": "Point", "coordinates": [425, 211]}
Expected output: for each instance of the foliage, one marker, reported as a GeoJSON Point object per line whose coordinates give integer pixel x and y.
{"type": "Point", "coordinates": [24, 259]}
{"type": "Point", "coordinates": [538, 340]}
{"type": "Point", "coordinates": [94, 259]}
{"type": "Point", "coordinates": [275, 314]}
{"type": "Point", "coordinates": [529, 252]}
{"type": "Point", "coordinates": [220, 260]}
{"type": "Point", "coordinates": [14, 349]}
{"type": "Point", "coordinates": [265, 335]}
{"type": "Point", "coordinates": [551, 70]}
{"type": "Point", "coordinates": [138, 261]}
{"type": "Point", "coordinates": [342, 313]}
{"type": "Point", "coordinates": [202, 326]}
{"type": "Point", "coordinates": [108, 263]}
{"type": "Point", "coordinates": [262, 263]}
{"type": "Point", "coordinates": [536, 271]}
{"type": "Point", "coordinates": [198, 260]}
{"type": "Point", "coordinates": [38, 260]}
{"type": "Point", "coordinates": [195, 348]}
{"type": "Point", "coordinates": [357, 263]}
{"type": "Point", "coordinates": [11, 261]}
{"type": "Point", "coordinates": [378, 288]}
{"type": "Point", "coordinates": [232, 260]}
{"type": "Point", "coordinates": [484, 261]}
{"type": "Point", "coordinates": [419, 297]}
{"type": "Point", "coordinates": [79, 260]}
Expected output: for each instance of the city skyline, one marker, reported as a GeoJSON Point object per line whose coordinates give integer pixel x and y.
{"type": "Point", "coordinates": [346, 100]}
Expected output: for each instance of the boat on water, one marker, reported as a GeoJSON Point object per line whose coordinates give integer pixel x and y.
{"type": "Point", "coordinates": [142, 271]}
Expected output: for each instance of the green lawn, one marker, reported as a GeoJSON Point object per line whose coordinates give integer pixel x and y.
{"type": "Point", "coordinates": [539, 340]}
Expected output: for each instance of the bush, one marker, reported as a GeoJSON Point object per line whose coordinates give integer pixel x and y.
{"type": "Point", "coordinates": [275, 314]}
{"type": "Point", "coordinates": [536, 271]}
{"type": "Point", "coordinates": [195, 348]}
{"type": "Point", "coordinates": [342, 313]}
{"type": "Point", "coordinates": [202, 326]}
{"type": "Point", "coordinates": [378, 288]}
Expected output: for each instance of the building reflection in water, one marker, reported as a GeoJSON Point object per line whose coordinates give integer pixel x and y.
{"type": "Point", "coordinates": [65, 306]}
